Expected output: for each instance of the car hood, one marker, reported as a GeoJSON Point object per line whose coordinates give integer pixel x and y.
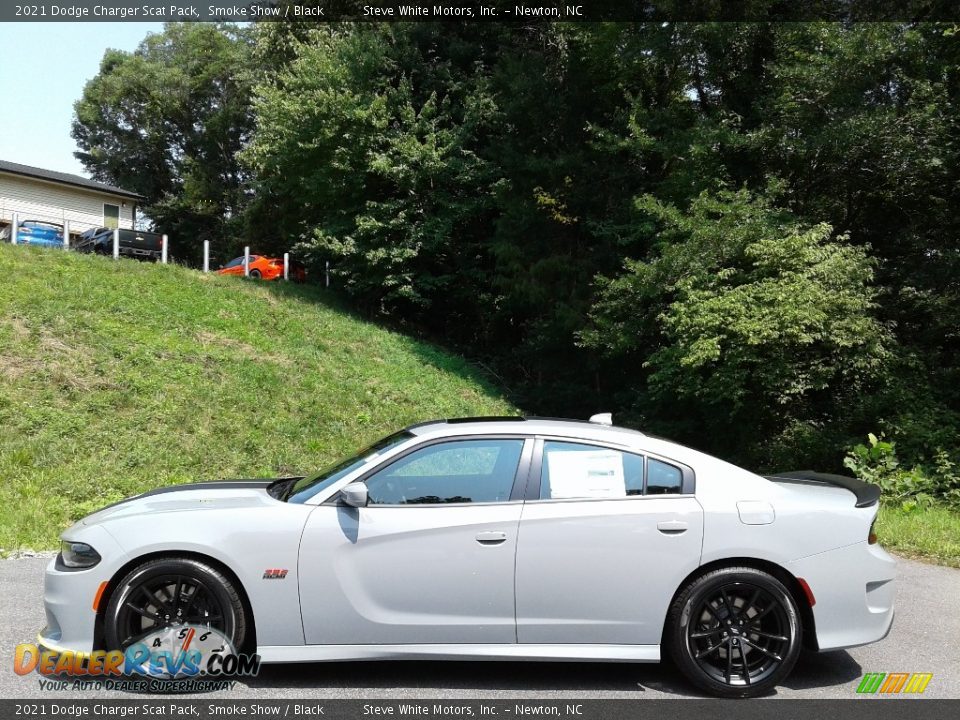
{"type": "Point", "coordinates": [209, 495]}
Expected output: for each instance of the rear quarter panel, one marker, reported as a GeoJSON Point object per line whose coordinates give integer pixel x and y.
{"type": "Point", "coordinates": [803, 520]}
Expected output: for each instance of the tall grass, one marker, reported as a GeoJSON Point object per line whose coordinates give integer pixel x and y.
{"type": "Point", "coordinates": [119, 376]}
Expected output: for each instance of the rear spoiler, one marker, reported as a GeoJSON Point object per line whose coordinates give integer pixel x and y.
{"type": "Point", "coordinates": [866, 493]}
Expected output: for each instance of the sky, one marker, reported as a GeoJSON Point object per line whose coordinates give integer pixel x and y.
{"type": "Point", "coordinates": [43, 68]}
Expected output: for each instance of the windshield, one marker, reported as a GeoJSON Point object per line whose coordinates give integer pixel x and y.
{"type": "Point", "coordinates": [304, 489]}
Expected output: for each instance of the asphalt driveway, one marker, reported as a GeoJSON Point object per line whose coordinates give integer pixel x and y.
{"type": "Point", "coordinates": [925, 638]}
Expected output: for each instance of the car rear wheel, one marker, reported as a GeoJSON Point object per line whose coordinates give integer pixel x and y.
{"type": "Point", "coordinates": [255, 274]}
{"type": "Point", "coordinates": [734, 632]}
{"type": "Point", "coordinates": [170, 592]}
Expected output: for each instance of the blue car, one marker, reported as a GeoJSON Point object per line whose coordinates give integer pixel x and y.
{"type": "Point", "coordinates": [40, 233]}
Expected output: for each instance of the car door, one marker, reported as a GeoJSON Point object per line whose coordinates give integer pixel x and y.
{"type": "Point", "coordinates": [606, 537]}
{"type": "Point", "coordinates": [430, 559]}
{"type": "Point", "coordinates": [234, 267]}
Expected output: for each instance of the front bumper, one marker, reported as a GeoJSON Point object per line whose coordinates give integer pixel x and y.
{"type": "Point", "coordinates": [68, 595]}
{"type": "Point", "coordinates": [854, 590]}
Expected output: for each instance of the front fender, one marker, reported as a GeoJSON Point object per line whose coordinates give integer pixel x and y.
{"type": "Point", "coordinates": [249, 541]}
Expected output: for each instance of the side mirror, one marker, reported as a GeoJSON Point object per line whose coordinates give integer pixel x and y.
{"type": "Point", "coordinates": [355, 495]}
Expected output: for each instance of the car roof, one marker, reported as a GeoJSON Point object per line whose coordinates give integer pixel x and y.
{"type": "Point", "coordinates": [630, 440]}
{"type": "Point", "coordinates": [40, 222]}
{"type": "Point", "coordinates": [516, 424]}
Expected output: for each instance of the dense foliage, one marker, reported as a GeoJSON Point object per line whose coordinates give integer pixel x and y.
{"type": "Point", "coordinates": [746, 236]}
{"type": "Point", "coordinates": [756, 326]}
{"type": "Point", "coordinates": [167, 121]}
{"type": "Point", "coordinates": [907, 489]}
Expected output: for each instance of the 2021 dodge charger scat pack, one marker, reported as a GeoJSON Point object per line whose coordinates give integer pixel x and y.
{"type": "Point", "coordinates": [494, 539]}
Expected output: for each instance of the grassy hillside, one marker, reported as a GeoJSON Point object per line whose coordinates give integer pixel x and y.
{"type": "Point", "coordinates": [116, 377]}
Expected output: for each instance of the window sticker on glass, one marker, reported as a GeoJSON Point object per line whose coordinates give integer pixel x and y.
{"type": "Point", "coordinates": [592, 474]}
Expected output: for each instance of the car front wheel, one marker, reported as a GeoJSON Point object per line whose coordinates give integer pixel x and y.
{"type": "Point", "coordinates": [169, 592]}
{"type": "Point", "coordinates": [734, 632]}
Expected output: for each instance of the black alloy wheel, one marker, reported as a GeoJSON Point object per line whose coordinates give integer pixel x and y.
{"type": "Point", "coordinates": [255, 274]}
{"type": "Point", "coordinates": [171, 592]}
{"type": "Point", "coordinates": [735, 632]}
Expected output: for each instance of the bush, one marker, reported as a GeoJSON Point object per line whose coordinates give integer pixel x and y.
{"type": "Point", "coordinates": [909, 488]}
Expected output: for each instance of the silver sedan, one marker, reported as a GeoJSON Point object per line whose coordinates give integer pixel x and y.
{"type": "Point", "coordinates": [497, 539]}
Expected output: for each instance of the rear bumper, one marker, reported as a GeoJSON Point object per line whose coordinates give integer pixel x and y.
{"type": "Point", "coordinates": [139, 252]}
{"type": "Point", "coordinates": [34, 242]}
{"type": "Point", "coordinates": [854, 589]}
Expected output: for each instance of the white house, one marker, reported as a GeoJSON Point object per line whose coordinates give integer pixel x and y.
{"type": "Point", "coordinates": [36, 194]}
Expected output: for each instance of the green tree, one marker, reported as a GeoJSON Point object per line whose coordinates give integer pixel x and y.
{"type": "Point", "coordinates": [859, 126]}
{"type": "Point", "coordinates": [167, 121]}
{"type": "Point", "coordinates": [472, 180]}
{"type": "Point", "coordinates": [367, 145]}
{"type": "Point", "coordinates": [752, 328]}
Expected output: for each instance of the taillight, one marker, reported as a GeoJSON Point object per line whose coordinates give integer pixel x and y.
{"type": "Point", "coordinates": [872, 535]}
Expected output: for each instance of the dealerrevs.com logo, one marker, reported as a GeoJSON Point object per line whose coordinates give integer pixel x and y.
{"type": "Point", "coordinates": [894, 683]}
{"type": "Point", "coordinates": [185, 657]}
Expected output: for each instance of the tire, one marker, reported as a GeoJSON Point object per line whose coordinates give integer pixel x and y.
{"type": "Point", "coordinates": [255, 274]}
{"type": "Point", "coordinates": [218, 604]}
{"type": "Point", "coordinates": [734, 632]}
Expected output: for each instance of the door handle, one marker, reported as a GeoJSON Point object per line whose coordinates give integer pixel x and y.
{"type": "Point", "coordinates": [672, 527]}
{"type": "Point", "coordinates": [491, 538]}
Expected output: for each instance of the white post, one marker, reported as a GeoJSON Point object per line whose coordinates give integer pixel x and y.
{"type": "Point", "coordinates": [14, 228]}
{"type": "Point", "coordinates": [66, 234]}
{"type": "Point", "coordinates": [163, 250]}
{"type": "Point", "coordinates": [116, 243]}
{"type": "Point", "coordinates": [246, 261]}
{"type": "Point", "coordinates": [206, 256]}
{"type": "Point", "coordinates": [286, 266]}
{"type": "Point", "coordinates": [327, 275]}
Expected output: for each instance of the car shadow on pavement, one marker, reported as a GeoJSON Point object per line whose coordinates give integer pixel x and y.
{"type": "Point", "coordinates": [400, 678]}
{"type": "Point", "coordinates": [464, 675]}
{"type": "Point", "coordinates": [821, 670]}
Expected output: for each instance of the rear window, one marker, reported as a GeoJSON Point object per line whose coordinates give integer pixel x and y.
{"type": "Point", "coordinates": [592, 472]}
{"type": "Point", "coordinates": [663, 478]}
{"type": "Point", "coordinates": [572, 470]}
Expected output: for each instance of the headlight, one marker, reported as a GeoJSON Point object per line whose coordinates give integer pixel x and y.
{"type": "Point", "coordinates": [78, 555]}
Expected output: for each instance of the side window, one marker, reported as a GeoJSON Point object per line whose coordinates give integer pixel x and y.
{"type": "Point", "coordinates": [571, 470]}
{"type": "Point", "coordinates": [234, 262]}
{"type": "Point", "coordinates": [663, 479]}
{"type": "Point", "coordinates": [461, 471]}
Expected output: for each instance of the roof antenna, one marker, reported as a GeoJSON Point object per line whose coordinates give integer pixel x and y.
{"type": "Point", "coordinates": [602, 419]}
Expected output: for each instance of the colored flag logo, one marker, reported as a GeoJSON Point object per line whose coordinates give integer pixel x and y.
{"type": "Point", "coordinates": [894, 683]}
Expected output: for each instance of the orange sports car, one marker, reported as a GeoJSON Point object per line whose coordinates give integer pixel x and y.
{"type": "Point", "coordinates": [264, 268]}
